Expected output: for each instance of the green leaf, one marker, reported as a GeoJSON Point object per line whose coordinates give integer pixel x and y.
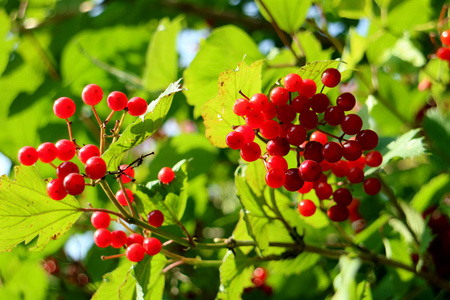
{"type": "Point", "coordinates": [354, 9]}
{"type": "Point", "coordinates": [364, 291]}
{"type": "Point", "coordinates": [222, 50]}
{"type": "Point", "coordinates": [235, 275]}
{"type": "Point", "coordinates": [431, 192]}
{"type": "Point", "coordinates": [345, 283]}
{"type": "Point", "coordinates": [315, 69]}
{"type": "Point", "coordinates": [27, 211]}
{"type": "Point", "coordinates": [437, 128]}
{"type": "Point", "coordinates": [413, 219]}
{"type": "Point", "coordinates": [218, 113]}
{"type": "Point", "coordinates": [161, 65]}
{"type": "Point", "coordinates": [288, 14]}
{"type": "Point", "coordinates": [354, 49]}
{"type": "Point", "coordinates": [425, 240]}
{"type": "Point", "coordinates": [5, 45]}
{"type": "Point", "coordinates": [406, 14]}
{"type": "Point", "coordinates": [144, 126]}
{"type": "Point", "coordinates": [109, 289]}
{"type": "Point", "coordinates": [311, 46]}
{"type": "Point", "coordinates": [170, 199]}
{"type": "Point", "coordinates": [148, 275]}
{"type": "Point", "coordinates": [302, 263]}
{"type": "Point", "coordinates": [396, 249]}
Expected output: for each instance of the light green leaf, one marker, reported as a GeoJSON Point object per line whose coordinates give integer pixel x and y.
{"type": "Point", "coordinates": [141, 129]}
{"type": "Point", "coordinates": [354, 9]}
{"type": "Point", "coordinates": [431, 192]}
{"type": "Point", "coordinates": [354, 49]}
{"type": "Point", "coordinates": [5, 45]}
{"type": "Point", "coordinates": [364, 291]}
{"type": "Point", "coordinates": [27, 211]}
{"type": "Point", "coordinates": [222, 50]}
{"type": "Point", "coordinates": [170, 198]}
{"type": "Point", "coordinates": [235, 275]}
{"type": "Point", "coordinates": [413, 219]}
{"type": "Point", "coordinates": [345, 283]}
{"type": "Point", "coordinates": [148, 275]}
{"type": "Point", "coordinates": [315, 69]}
{"type": "Point", "coordinates": [396, 249]}
{"type": "Point", "coordinates": [407, 14]}
{"type": "Point", "coordinates": [109, 289]}
{"type": "Point", "coordinates": [288, 14]}
{"type": "Point", "coordinates": [217, 113]}
{"type": "Point", "coordinates": [311, 46]}
{"type": "Point", "coordinates": [302, 263]}
{"type": "Point", "coordinates": [161, 63]}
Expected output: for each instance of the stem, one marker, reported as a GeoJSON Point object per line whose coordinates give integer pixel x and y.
{"type": "Point", "coordinates": [53, 165]}
{"type": "Point", "coordinates": [96, 115]}
{"type": "Point", "coordinates": [112, 197]}
{"type": "Point", "coordinates": [130, 207]}
{"type": "Point", "coordinates": [160, 232]}
{"type": "Point", "coordinates": [103, 257]}
{"type": "Point", "coordinates": [340, 138]}
{"type": "Point", "coordinates": [109, 117]}
{"type": "Point", "coordinates": [69, 128]}
{"type": "Point", "coordinates": [102, 138]}
{"type": "Point", "coordinates": [103, 210]}
{"type": "Point", "coordinates": [299, 45]}
{"type": "Point", "coordinates": [117, 130]}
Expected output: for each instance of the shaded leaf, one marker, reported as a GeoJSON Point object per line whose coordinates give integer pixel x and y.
{"type": "Point", "coordinates": [27, 211]}
{"type": "Point", "coordinates": [431, 192]}
{"type": "Point", "coordinates": [302, 263]}
{"type": "Point", "coordinates": [345, 283]}
{"type": "Point", "coordinates": [437, 129]}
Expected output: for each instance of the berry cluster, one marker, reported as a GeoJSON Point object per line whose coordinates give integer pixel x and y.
{"type": "Point", "coordinates": [259, 278]}
{"type": "Point", "coordinates": [293, 118]}
{"type": "Point", "coordinates": [136, 245]}
{"type": "Point", "coordinates": [443, 53]}
{"type": "Point", "coordinates": [69, 179]}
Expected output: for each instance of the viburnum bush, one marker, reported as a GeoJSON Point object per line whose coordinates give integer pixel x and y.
{"type": "Point", "coordinates": [302, 155]}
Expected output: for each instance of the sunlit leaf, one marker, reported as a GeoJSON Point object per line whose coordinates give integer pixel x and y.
{"type": "Point", "coordinates": [235, 275]}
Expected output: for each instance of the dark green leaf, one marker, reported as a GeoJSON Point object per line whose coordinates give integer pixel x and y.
{"type": "Point", "coordinates": [437, 128]}
{"type": "Point", "coordinates": [431, 192]}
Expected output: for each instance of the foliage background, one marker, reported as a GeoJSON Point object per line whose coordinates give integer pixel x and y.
{"type": "Point", "coordinates": [52, 48]}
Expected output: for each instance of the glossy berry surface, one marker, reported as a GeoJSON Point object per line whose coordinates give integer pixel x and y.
{"type": "Point", "coordinates": [308, 119]}
{"type": "Point", "coordinates": [241, 107]}
{"type": "Point", "coordinates": [28, 156]}
{"type": "Point", "coordinates": [374, 158]}
{"type": "Point", "coordinates": [319, 137]}
{"type": "Point", "coordinates": [338, 213]}
{"type": "Point", "coordinates": [332, 152]}
{"type": "Point", "coordinates": [135, 252]}
{"type": "Point", "coordinates": [64, 107]}
{"type": "Point", "coordinates": [443, 53]}
{"type": "Point", "coordinates": [102, 237]}
{"type": "Point", "coordinates": [342, 196]}
{"type": "Point", "coordinates": [100, 219]}
{"type": "Point", "coordinates": [235, 140]}
{"type": "Point", "coordinates": [277, 162]}
{"type": "Point", "coordinates": [259, 276]}
{"type": "Point", "coordinates": [346, 101]}
{"type": "Point", "coordinates": [279, 96]}
{"type": "Point", "coordinates": [118, 238]}
{"type": "Point", "coordinates": [66, 168]}
{"type": "Point", "coordinates": [308, 88]}
{"type": "Point", "coordinates": [137, 106]}
{"type": "Point", "coordinates": [247, 131]}
{"type": "Point", "coordinates": [65, 150]}
{"type": "Point", "coordinates": [269, 129]}
{"type": "Point", "coordinates": [445, 37]}
{"type": "Point", "coordinates": [310, 170]}
{"type": "Point", "coordinates": [278, 146]}
{"type": "Point", "coordinates": [152, 246]}
{"type": "Point", "coordinates": [250, 151]}
{"type": "Point", "coordinates": [56, 190]}
{"type": "Point", "coordinates": [334, 115]}
{"type": "Point", "coordinates": [331, 77]}
{"type": "Point", "coordinates": [319, 103]}
{"type": "Point", "coordinates": [306, 188]}
{"type": "Point", "coordinates": [135, 238]}
{"type": "Point", "coordinates": [47, 152]}
{"type": "Point", "coordinates": [121, 197]}
{"type": "Point", "coordinates": [87, 152]}
{"type": "Point", "coordinates": [128, 173]}
{"type": "Point", "coordinates": [155, 218]}
{"type": "Point", "coordinates": [324, 191]}
{"type": "Point", "coordinates": [372, 186]}
{"type": "Point", "coordinates": [74, 184]}
{"type": "Point", "coordinates": [275, 178]}
{"type": "Point", "coordinates": [351, 150]}
{"type": "Point", "coordinates": [92, 94]}
{"type": "Point", "coordinates": [117, 101]}
{"type": "Point", "coordinates": [296, 135]}
{"type": "Point", "coordinates": [293, 181]}
{"type": "Point", "coordinates": [351, 124]}
{"type": "Point", "coordinates": [368, 139]}
{"type": "Point", "coordinates": [313, 151]}
{"type": "Point", "coordinates": [355, 175]}
{"type": "Point", "coordinates": [306, 208]}
{"type": "Point", "coordinates": [166, 175]}
{"type": "Point", "coordinates": [259, 102]}
{"type": "Point", "coordinates": [293, 82]}
{"type": "Point", "coordinates": [95, 167]}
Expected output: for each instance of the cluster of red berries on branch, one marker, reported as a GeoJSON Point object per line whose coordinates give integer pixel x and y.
{"type": "Point", "coordinates": [293, 118]}
{"type": "Point", "coordinates": [443, 53]}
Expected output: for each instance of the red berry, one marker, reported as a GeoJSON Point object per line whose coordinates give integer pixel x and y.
{"type": "Point", "coordinates": [277, 162]}
{"type": "Point", "coordinates": [293, 82]}
{"type": "Point", "coordinates": [296, 135]}
{"type": "Point", "coordinates": [128, 173]}
{"type": "Point", "coordinates": [331, 77]}
{"type": "Point", "coordinates": [235, 140]}
{"type": "Point", "coordinates": [339, 168]}
{"type": "Point", "coordinates": [368, 139]}
{"type": "Point", "coordinates": [117, 101]}
{"type": "Point", "coordinates": [135, 238]}
{"type": "Point", "coordinates": [47, 152]}
{"type": "Point", "coordinates": [445, 37]}
{"type": "Point", "coordinates": [100, 219]}
{"type": "Point", "coordinates": [306, 208]}
{"type": "Point", "coordinates": [166, 175]}
{"type": "Point", "coordinates": [351, 150]}
{"type": "Point", "coordinates": [74, 184]}
{"type": "Point", "coordinates": [443, 53]}
{"type": "Point", "coordinates": [278, 146]}
{"type": "Point", "coordinates": [322, 179]}
{"type": "Point", "coordinates": [334, 115]}
{"type": "Point", "coordinates": [332, 152]}
{"type": "Point", "coordinates": [56, 190]}
{"type": "Point", "coordinates": [342, 196]}
{"type": "Point", "coordinates": [286, 113]}
{"type": "Point", "coordinates": [306, 188]}
{"type": "Point", "coordinates": [270, 129]}
{"type": "Point", "coordinates": [135, 252]}
{"type": "Point", "coordinates": [92, 94]}
{"type": "Point", "coordinates": [152, 245]}
{"type": "Point", "coordinates": [319, 137]}
{"type": "Point", "coordinates": [118, 238]}
{"type": "Point", "coordinates": [301, 103]}
{"type": "Point", "coordinates": [102, 237]}
{"type": "Point", "coordinates": [241, 107]}
{"type": "Point", "coordinates": [87, 152]}
{"type": "Point", "coordinates": [121, 197]}
{"type": "Point", "coordinates": [355, 175]}
{"type": "Point", "coordinates": [308, 88]}
{"type": "Point", "coordinates": [359, 163]}
{"type": "Point", "coordinates": [254, 119]}
{"type": "Point", "coordinates": [65, 169]}
{"type": "Point", "coordinates": [319, 103]}
{"type": "Point", "coordinates": [308, 119]}
{"type": "Point", "coordinates": [270, 112]}
{"type": "Point", "coordinates": [259, 102]}
{"type": "Point", "coordinates": [279, 96]}
{"type": "Point", "coordinates": [313, 151]}
{"type": "Point", "coordinates": [324, 191]}
{"type": "Point", "coordinates": [275, 178]}
{"type": "Point", "coordinates": [310, 170]}
{"type": "Point", "coordinates": [346, 101]}
{"type": "Point", "coordinates": [351, 124]}
{"type": "Point", "coordinates": [250, 151]}
{"type": "Point", "coordinates": [259, 276]}
{"type": "Point", "coordinates": [293, 180]}
{"type": "Point", "coordinates": [372, 186]}
{"type": "Point", "coordinates": [137, 106]}
{"type": "Point", "coordinates": [95, 167]}
{"type": "Point", "coordinates": [65, 150]}
{"type": "Point", "coordinates": [374, 158]}
{"type": "Point", "coordinates": [155, 218]}
{"type": "Point", "coordinates": [338, 213]}
{"type": "Point", "coordinates": [28, 156]}
{"type": "Point", "coordinates": [247, 131]}
{"type": "Point", "coordinates": [64, 107]}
